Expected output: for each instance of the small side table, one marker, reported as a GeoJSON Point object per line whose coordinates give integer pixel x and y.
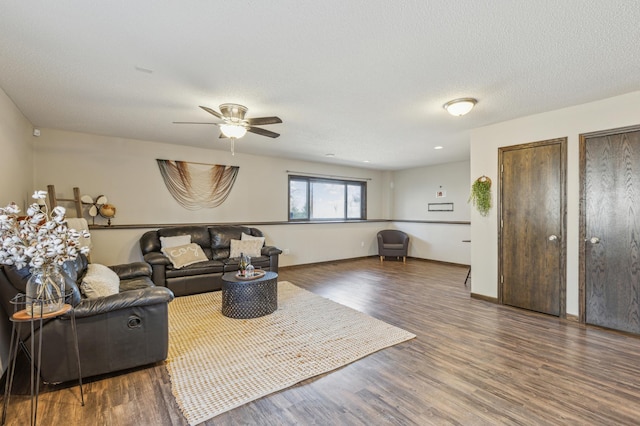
{"type": "Point", "coordinates": [23, 316]}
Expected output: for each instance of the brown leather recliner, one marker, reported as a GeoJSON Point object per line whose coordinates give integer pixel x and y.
{"type": "Point", "coordinates": [392, 242]}
{"type": "Point", "coordinates": [117, 332]}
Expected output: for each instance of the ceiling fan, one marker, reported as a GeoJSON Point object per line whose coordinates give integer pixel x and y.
{"type": "Point", "coordinates": [234, 124]}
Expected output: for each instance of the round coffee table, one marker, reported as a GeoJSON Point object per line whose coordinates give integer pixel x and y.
{"type": "Point", "coordinates": [243, 298]}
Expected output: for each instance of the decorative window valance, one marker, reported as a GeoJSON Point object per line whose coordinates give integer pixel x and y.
{"type": "Point", "coordinates": [195, 185]}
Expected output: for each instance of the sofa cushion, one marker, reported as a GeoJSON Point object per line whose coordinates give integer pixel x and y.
{"type": "Point", "coordinates": [208, 267]}
{"type": "Point", "coordinates": [221, 237]}
{"type": "Point", "coordinates": [136, 283]}
{"type": "Point", "coordinates": [185, 255]}
{"type": "Point", "coordinates": [246, 247]}
{"type": "Point", "coordinates": [99, 281]}
{"type": "Point", "coordinates": [231, 264]}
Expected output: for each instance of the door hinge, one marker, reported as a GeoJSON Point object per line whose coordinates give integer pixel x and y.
{"type": "Point", "coordinates": [501, 223]}
{"type": "Point", "coordinates": [501, 168]}
{"type": "Point", "coordinates": [501, 279]}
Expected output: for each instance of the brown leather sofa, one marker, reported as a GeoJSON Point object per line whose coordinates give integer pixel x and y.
{"type": "Point", "coordinates": [125, 330]}
{"type": "Point", "coordinates": [215, 241]}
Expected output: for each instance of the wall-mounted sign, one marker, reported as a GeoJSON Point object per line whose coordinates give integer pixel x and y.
{"type": "Point", "coordinates": [440, 207]}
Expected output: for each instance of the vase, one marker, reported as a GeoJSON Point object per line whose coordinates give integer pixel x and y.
{"type": "Point", "coordinates": [45, 290]}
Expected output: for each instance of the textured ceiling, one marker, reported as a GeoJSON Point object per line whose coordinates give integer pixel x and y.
{"type": "Point", "coordinates": [361, 79]}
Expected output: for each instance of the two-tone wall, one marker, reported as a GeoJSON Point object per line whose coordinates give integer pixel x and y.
{"type": "Point", "coordinates": [570, 122]}
{"type": "Point", "coordinates": [126, 172]}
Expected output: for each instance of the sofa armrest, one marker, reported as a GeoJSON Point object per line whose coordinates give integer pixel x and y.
{"type": "Point", "coordinates": [156, 258]}
{"type": "Point", "coordinates": [270, 251]}
{"type": "Point", "coordinates": [159, 263]}
{"type": "Point", "coordinates": [132, 270]}
{"type": "Point", "coordinates": [127, 299]}
{"type": "Point", "coordinates": [273, 253]}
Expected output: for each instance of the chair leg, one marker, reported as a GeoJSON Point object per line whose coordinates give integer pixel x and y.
{"type": "Point", "coordinates": [404, 259]}
{"type": "Point", "coordinates": [381, 259]}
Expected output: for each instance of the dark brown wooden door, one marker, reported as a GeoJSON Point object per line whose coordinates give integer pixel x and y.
{"type": "Point", "coordinates": [611, 237]}
{"type": "Point", "coordinates": [533, 205]}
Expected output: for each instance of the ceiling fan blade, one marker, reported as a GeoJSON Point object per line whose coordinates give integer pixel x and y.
{"type": "Point", "coordinates": [222, 136]}
{"type": "Point", "coordinates": [212, 112]}
{"type": "Point", "coordinates": [260, 121]}
{"type": "Point", "coordinates": [193, 122]}
{"type": "Point", "coordinates": [262, 132]}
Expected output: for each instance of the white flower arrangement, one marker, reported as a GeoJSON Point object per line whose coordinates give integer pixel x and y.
{"type": "Point", "coordinates": [38, 239]}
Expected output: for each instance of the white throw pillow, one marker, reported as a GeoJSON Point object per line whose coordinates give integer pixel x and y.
{"type": "Point", "coordinates": [246, 237]}
{"type": "Point", "coordinates": [185, 255]}
{"type": "Point", "coordinates": [178, 240]}
{"type": "Point", "coordinates": [246, 247]}
{"type": "Point", "coordinates": [99, 281]}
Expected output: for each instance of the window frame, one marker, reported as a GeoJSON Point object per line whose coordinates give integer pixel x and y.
{"type": "Point", "coordinates": [309, 180]}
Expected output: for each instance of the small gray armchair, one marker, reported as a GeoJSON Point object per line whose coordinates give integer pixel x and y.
{"type": "Point", "coordinates": [392, 242]}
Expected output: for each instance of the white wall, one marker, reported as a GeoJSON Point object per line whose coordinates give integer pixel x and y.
{"type": "Point", "coordinates": [17, 155]}
{"type": "Point", "coordinates": [570, 122]}
{"type": "Point", "coordinates": [17, 180]}
{"type": "Point", "coordinates": [415, 188]}
{"type": "Point", "coordinates": [126, 172]}
{"type": "Point", "coordinates": [412, 191]}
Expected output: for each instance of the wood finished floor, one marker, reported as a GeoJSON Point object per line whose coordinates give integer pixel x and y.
{"type": "Point", "coordinates": [473, 363]}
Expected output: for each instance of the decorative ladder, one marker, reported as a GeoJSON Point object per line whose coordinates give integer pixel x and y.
{"type": "Point", "coordinates": [54, 200]}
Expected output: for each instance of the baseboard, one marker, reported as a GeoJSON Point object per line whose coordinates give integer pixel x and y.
{"type": "Point", "coordinates": [304, 265]}
{"type": "Point", "coordinates": [483, 297]}
{"type": "Point", "coordinates": [324, 262]}
{"type": "Point", "coordinates": [443, 262]}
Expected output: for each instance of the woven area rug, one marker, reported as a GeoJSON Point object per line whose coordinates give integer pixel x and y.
{"type": "Point", "coordinates": [218, 363]}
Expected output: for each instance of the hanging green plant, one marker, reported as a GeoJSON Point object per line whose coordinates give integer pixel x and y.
{"type": "Point", "coordinates": [481, 195]}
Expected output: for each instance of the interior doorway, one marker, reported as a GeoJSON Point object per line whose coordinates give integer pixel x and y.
{"type": "Point", "coordinates": [531, 240]}
{"type": "Point", "coordinates": [609, 274]}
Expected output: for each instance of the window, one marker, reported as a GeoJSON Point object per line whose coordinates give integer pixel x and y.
{"type": "Point", "coordinates": [326, 199]}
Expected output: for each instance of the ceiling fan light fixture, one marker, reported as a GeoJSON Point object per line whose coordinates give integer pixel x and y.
{"type": "Point", "coordinates": [235, 131]}
{"type": "Point", "coordinates": [459, 107]}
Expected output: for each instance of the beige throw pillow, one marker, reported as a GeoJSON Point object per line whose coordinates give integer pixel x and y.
{"type": "Point", "coordinates": [185, 255]}
{"type": "Point", "coordinates": [246, 247]}
{"type": "Point", "coordinates": [99, 281]}
{"type": "Point", "coordinates": [246, 237]}
{"type": "Point", "coordinates": [178, 240]}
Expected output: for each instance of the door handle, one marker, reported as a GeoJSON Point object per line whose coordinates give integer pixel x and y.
{"type": "Point", "coordinates": [553, 237]}
{"type": "Point", "coordinates": [594, 240]}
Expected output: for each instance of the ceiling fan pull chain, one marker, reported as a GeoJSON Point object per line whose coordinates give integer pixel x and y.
{"type": "Point", "coordinates": [233, 142]}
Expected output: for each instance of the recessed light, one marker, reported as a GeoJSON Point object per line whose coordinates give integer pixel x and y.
{"type": "Point", "coordinates": [366, 161]}
{"type": "Point", "coordinates": [329, 155]}
{"type": "Point", "coordinates": [438, 147]}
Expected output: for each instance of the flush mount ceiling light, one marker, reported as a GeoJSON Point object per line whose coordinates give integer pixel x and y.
{"type": "Point", "coordinates": [460, 106]}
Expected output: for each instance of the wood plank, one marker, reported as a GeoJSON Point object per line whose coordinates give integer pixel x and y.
{"type": "Point", "coordinates": [473, 362]}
